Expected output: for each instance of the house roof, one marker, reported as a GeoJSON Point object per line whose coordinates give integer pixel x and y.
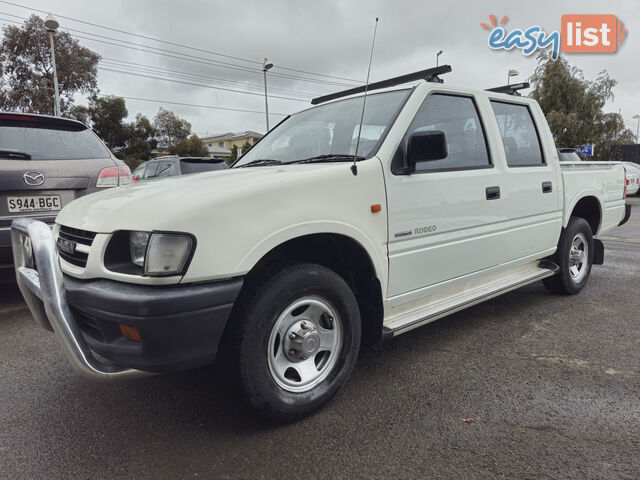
{"type": "Point", "coordinates": [232, 136]}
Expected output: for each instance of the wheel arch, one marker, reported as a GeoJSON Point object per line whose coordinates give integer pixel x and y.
{"type": "Point", "coordinates": [589, 207]}
{"type": "Point", "coordinates": [345, 256]}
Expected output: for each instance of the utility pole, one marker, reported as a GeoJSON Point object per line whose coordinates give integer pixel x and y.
{"type": "Point", "coordinates": [266, 66]}
{"type": "Point", "coordinates": [52, 25]}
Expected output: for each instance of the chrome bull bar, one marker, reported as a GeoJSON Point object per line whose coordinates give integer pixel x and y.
{"type": "Point", "coordinates": [40, 280]}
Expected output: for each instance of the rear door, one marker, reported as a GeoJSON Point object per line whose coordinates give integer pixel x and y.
{"type": "Point", "coordinates": [45, 163]}
{"type": "Point", "coordinates": [533, 190]}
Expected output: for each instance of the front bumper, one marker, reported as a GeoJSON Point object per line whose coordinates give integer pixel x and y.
{"type": "Point", "coordinates": [6, 257]}
{"type": "Point", "coordinates": [179, 326]}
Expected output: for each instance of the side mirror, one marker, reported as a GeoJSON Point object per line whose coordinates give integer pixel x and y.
{"type": "Point", "coordinates": [425, 147]}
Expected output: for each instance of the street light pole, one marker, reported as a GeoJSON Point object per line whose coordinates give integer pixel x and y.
{"type": "Point", "coordinates": [266, 66]}
{"type": "Point", "coordinates": [52, 25]}
{"type": "Point", "coordinates": [637, 117]}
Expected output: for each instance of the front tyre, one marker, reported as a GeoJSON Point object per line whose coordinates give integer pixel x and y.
{"type": "Point", "coordinates": [298, 342]}
{"type": "Point", "coordinates": [574, 257]}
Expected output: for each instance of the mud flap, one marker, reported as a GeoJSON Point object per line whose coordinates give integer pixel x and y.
{"type": "Point", "coordinates": [598, 252]}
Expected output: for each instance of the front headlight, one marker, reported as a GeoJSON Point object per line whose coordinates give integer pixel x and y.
{"type": "Point", "coordinates": [157, 253]}
{"type": "Point", "coordinates": [167, 253]}
{"type": "Point", "coordinates": [138, 242]}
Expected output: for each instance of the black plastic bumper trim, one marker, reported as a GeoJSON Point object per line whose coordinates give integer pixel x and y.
{"type": "Point", "coordinates": [180, 326]}
{"type": "Point", "coordinates": [627, 214]}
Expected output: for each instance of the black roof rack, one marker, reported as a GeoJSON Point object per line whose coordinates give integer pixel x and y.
{"type": "Point", "coordinates": [510, 89]}
{"type": "Point", "coordinates": [430, 75]}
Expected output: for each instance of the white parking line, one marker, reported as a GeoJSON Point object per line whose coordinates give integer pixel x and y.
{"type": "Point", "coordinates": [15, 308]}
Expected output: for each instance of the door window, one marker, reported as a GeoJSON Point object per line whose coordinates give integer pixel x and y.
{"type": "Point", "coordinates": [458, 118]}
{"type": "Point", "coordinates": [519, 135]}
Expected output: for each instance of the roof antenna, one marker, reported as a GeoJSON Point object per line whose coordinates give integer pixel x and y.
{"type": "Point", "coordinates": [354, 167]}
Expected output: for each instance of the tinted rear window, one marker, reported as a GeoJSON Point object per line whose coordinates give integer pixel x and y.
{"type": "Point", "coordinates": [200, 166]}
{"type": "Point", "coordinates": [51, 144]}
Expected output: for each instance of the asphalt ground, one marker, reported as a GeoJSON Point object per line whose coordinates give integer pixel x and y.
{"type": "Point", "coordinates": [551, 382]}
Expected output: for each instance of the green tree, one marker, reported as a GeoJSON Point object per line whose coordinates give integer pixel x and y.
{"type": "Point", "coordinates": [234, 154]}
{"type": "Point", "coordinates": [26, 81]}
{"type": "Point", "coordinates": [106, 116]}
{"type": "Point", "coordinates": [80, 113]}
{"type": "Point", "coordinates": [140, 141]}
{"type": "Point", "coordinates": [189, 147]}
{"type": "Point", "coordinates": [246, 146]}
{"type": "Point", "coordinates": [574, 107]}
{"type": "Point", "coordinates": [170, 129]}
{"type": "Point", "coordinates": [132, 142]}
{"type": "Point", "coordinates": [234, 151]}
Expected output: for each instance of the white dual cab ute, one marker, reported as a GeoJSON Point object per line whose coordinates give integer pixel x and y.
{"type": "Point", "coordinates": [328, 233]}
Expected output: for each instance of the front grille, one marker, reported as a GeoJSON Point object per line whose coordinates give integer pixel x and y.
{"type": "Point", "coordinates": [79, 236]}
{"type": "Point", "coordinates": [76, 235]}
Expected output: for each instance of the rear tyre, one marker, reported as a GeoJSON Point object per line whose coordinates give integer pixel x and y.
{"type": "Point", "coordinates": [298, 340]}
{"type": "Point", "coordinates": [574, 256]}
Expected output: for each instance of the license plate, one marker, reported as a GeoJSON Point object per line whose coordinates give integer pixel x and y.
{"type": "Point", "coordinates": [33, 203]}
{"type": "Point", "coordinates": [67, 246]}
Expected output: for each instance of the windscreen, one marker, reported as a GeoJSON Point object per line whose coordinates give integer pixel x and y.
{"type": "Point", "coordinates": [330, 129]}
{"type": "Point", "coordinates": [42, 143]}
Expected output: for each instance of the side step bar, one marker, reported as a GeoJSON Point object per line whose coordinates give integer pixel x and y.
{"type": "Point", "coordinates": [459, 302]}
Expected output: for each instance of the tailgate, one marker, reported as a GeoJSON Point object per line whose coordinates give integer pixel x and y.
{"type": "Point", "coordinates": [42, 188]}
{"type": "Point", "coordinates": [45, 163]}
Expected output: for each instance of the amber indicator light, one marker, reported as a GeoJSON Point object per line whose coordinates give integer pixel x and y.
{"type": "Point", "coordinates": [129, 332]}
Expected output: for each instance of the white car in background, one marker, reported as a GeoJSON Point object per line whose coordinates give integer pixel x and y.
{"type": "Point", "coordinates": [633, 178]}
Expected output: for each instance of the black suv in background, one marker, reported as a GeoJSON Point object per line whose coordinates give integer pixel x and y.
{"type": "Point", "coordinates": [45, 163]}
{"type": "Point", "coordinates": [172, 165]}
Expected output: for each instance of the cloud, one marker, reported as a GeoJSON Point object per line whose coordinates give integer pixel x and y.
{"type": "Point", "coordinates": [330, 37]}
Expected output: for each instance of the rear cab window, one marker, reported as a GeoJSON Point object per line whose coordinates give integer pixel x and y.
{"type": "Point", "coordinates": [520, 137]}
{"type": "Point", "coordinates": [42, 138]}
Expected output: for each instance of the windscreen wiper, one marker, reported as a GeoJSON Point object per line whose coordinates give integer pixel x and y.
{"type": "Point", "coordinates": [15, 154]}
{"type": "Point", "coordinates": [261, 163]}
{"type": "Point", "coordinates": [331, 157]}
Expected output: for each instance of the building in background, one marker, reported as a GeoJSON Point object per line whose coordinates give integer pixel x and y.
{"type": "Point", "coordinates": [221, 145]}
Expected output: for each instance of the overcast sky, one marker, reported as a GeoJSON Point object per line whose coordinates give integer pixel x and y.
{"type": "Point", "coordinates": [329, 37]}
